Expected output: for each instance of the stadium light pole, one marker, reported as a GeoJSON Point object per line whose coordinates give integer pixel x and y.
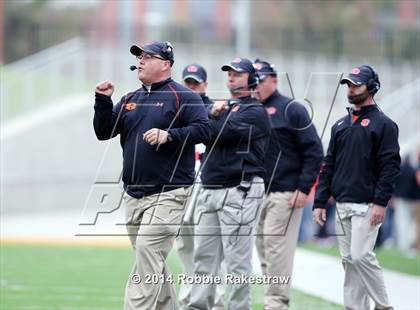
{"type": "Point", "coordinates": [125, 21]}
{"type": "Point", "coordinates": [125, 37]}
{"type": "Point", "coordinates": [242, 23]}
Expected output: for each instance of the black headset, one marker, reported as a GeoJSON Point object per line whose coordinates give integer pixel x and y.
{"type": "Point", "coordinates": [373, 85]}
{"type": "Point", "coordinates": [253, 79]}
{"type": "Point", "coordinates": [167, 50]}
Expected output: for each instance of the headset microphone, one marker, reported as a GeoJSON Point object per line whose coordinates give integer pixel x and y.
{"type": "Point", "coordinates": [356, 99]}
{"type": "Point", "coordinates": [250, 86]}
{"type": "Point", "coordinates": [133, 67]}
{"type": "Point", "coordinates": [235, 89]}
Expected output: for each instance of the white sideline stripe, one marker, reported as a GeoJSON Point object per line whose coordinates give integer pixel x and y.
{"type": "Point", "coordinates": [322, 275]}
{"type": "Point", "coordinates": [51, 112]}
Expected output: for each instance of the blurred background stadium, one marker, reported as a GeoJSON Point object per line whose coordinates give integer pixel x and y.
{"type": "Point", "coordinates": [52, 53]}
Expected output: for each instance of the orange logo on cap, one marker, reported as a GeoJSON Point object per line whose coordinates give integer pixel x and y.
{"type": "Point", "coordinates": [365, 122]}
{"type": "Point", "coordinates": [192, 69]}
{"type": "Point", "coordinates": [355, 71]}
{"type": "Point", "coordinates": [236, 60]}
{"type": "Point", "coordinates": [257, 66]}
{"type": "Point", "coordinates": [130, 106]}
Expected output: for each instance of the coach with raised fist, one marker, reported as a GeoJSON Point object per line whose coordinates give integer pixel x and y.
{"type": "Point", "coordinates": [158, 124]}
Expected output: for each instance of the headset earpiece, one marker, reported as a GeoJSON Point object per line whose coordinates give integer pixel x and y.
{"type": "Point", "coordinates": [373, 85]}
{"type": "Point", "coordinates": [168, 47]}
{"type": "Point", "coordinates": [253, 80]}
{"type": "Point", "coordinates": [167, 50]}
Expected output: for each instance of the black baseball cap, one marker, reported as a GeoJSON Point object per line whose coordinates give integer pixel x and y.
{"type": "Point", "coordinates": [239, 65]}
{"type": "Point", "coordinates": [264, 69]}
{"type": "Point", "coordinates": [195, 72]}
{"type": "Point", "coordinates": [359, 76]}
{"type": "Point", "coordinates": [163, 49]}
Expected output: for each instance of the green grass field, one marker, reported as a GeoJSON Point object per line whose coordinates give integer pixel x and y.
{"type": "Point", "coordinates": [388, 258]}
{"type": "Point", "coordinates": [82, 277]}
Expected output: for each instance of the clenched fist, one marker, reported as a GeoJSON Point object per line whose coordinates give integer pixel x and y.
{"type": "Point", "coordinates": [105, 88]}
{"type": "Point", "coordinates": [219, 107]}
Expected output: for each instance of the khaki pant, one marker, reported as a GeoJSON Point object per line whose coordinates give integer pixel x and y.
{"type": "Point", "coordinates": [185, 247]}
{"type": "Point", "coordinates": [363, 276]}
{"type": "Point", "coordinates": [152, 224]}
{"type": "Point", "coordinates": [225, 221]}
{"type": "Point", "coordinates": [277, 235]}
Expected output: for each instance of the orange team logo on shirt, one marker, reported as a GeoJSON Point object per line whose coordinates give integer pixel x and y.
{"type": "Point", "coordinates": [365, 122]}
{"type": "Point", "coordinates": [130, 106]}
{"type": "Point", "coordinates": [271, 110]}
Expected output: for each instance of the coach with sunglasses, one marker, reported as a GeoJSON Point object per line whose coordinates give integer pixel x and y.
{"type": "Point", "coordinates": [158, 124]}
